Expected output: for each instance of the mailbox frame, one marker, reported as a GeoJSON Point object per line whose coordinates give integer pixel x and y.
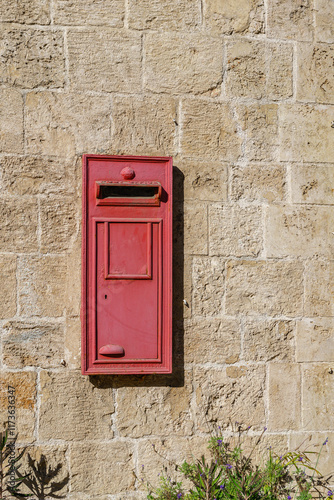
{"type": "Point", "coordinates": [112, 208]}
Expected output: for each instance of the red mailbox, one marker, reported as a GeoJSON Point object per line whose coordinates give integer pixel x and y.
{"type": "Point", "coordinates": [127, 265]}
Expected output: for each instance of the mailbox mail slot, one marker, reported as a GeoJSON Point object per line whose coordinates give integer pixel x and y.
{"type": "Point", "coordinates": [127, 263]}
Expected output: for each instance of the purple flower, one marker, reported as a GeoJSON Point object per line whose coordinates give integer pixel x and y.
{"type": "Point", "coordinates": [222, 486]}
{"type": "Point", "coordinates": [329, 493]}
{"type": "Point", "coordinates": [220, 442]}
{"type": "Point", "coordinates": [228, 466]}
{"type": "Point", "coordinates": [265, 428]}
{"type": "Point", "coordinates": [300, 459]}
{"type": "Point", "coordinates": [179, 495]}
{"type": "Point", "coordinates": [326, 441]}
{"type": "Point", "coordinates": [289, 497]}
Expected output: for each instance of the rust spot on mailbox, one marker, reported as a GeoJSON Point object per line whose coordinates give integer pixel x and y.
{"type": "Point", "coordinates": [127, 265]}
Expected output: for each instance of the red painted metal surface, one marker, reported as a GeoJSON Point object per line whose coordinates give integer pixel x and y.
{"type": "Point", "coordinates": [127, 265]}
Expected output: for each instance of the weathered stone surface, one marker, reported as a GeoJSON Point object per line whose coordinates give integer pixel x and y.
{"type": "Point", "coordinates": [31, 175]}
{"type": "Point", "coordinates": [230, 394]}
{"type": "Point", "coordinates": [284, 399]}
{"type": "Point", "coordinates": [312, 184]}
{"type": "Point", "coordinates": [291, 19]}
{"type": "Point", "coordinates": [208, 282]}
{"type": "Point", "coordinates": [202, 180]}
{"type": "Point", "coordinates": [306, 133]}
{"type": "Point", "coordinates": [18, 225]}
{"type": "Point", "coordinates": [58, 223]}
{"type": "Point", "coordinates": [41, 291]}
{"type": "Point", "coordinates": [200, 57]}
{"type": "Point", "coordinates": [257, 182]}
{"type": "Point", "coordinates": [315, 76]}
{"type": "Point", "coordinates": [25, 11]}
{"type": "Point", "coordinates": [209, 131]}
{"type": "Point", "coordinates": [248, 73]}
{"type": "Point", "coordinates": [299, 231]}
{"type": "Point", "coordinates": [182, 286]}
{"type": "Point", "coordinates": [73, 343]}
{"type": "Point", "coordinates": [72, 408]}
{"type": "Point", "coordinates": [315, 339]}
{"type": "Point", "coordinates": [27, 343]}
{"type": "Point", "coordinates": [23, 386]}
{"type": "Point", "coordinates": [47, 467]}
{"type": "Point", "coordinates": [151, 410]}
{"type": "Point", "coordinates": [144, 125]}
{"type": "Point", "coordinates": [90, 12]}
{"type": "Point", "coordinates": [66, 124]}
{"type": "Point", "coordinates": [324, 21]}
{"type": "Point", "coordinates": [267, 340]}
{"type": "Point", "coordinates": [195, 228]}
{"type": "Point", "coordinates": [259, 124]}
{"type": "Point", "coordinates": [212, 341]}
{"type": "Point", "coordinates": [317, 394]}
{"type": "Point", "coordinates": [163, 15]}
{"type": "Point", "coordinates": [32, 58]}
{"type": "Point", "coordinates": [104, 60]}
{"type": "Point", "coordinates": [73, 279]}
{"type": "Point", "coordinates": [260, 287]}
{"type": "Point", "coordinates": [156, 454]}
{"type": "Point", "coordinates": [11, 119]}
{"type": "Point", "coordinates": [235, 231]}
{"type": "Point", "coordinates": [319, 289]}
{"type": "Point", "coordinates": [110, 472]}
{"type": "Point", "coordinates": [235, 16]}
{"type": "Point", "coordinates": [8, 286]}
{"type": "Point", "coordinates": [312, 442]}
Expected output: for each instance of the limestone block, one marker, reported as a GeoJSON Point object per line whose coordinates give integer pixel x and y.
{"type": "Point", "coordinates": [18, 224]}
{"type": "Point", "coordinates": [259, 124]}
{"type": "Point", "coordinates": [291, 19]}
{"type": "Point", "coordinates": [179, 63]}
{"type": "Point", "coordinates": [284, 396]}
{"type": "Point", "coordinates": [72, 344]}
{"type": "Point", "coordinates": [73, 278]}
{"type": "Point", "coordinates": [41, 291]}
{"type": "Point", "coordinates": [249, 75]}
{"type": "Point", "coordinates": [90, 12]}
{"type": "Point", "coordinates": [299, 231]}
{"type": "Point", "coordinates": [195, 228]}
{"type": "Point", "coordinates": [257, 182]}
{"type": "Point", "coordinates": [8, 286]}
{"type": "Point", "coordinates": [202, 180]}
{"type": "Point", "coordinates": [166, 15]}
{"type": "Point", "coordinates": [312, 184]}
{"type": "Point", "coordinates": [315, 78]}
{"type": "Point", "coordinates": [212, 341]}
{"type": "Point", "coordinates": [235, 231]}
{"type": "Point", "coordinates": [305, 133]}
{"type": "Point", "coordinates": [324, 21]}
{"type": "Point", "coordinates": [110, 471]}
{"type": "Point", "coordinates": [230, 394]}
{"type": "Point", "coordinates": [235, 16]}
{"type": "Point", "coordinates": [182, 286]}
{"type": "Point", "coordinates": [27, 343]}
{"type": "Point", "coordinates": [315, 339]}
{"type": "Point", "coordinates": [317, 394]}
{"type": "Point", "coordinates": [24, 384]}
{"type": "Point", "coordinates": [145, 410]}
{"type": "Point", "coordinates": [32, 58]}
{"type": "Point", "coordinates": [154, 455]}
{"type": "Point", "coordinates": [312, 442]}
{"type": "Point", "coordinates": [144, 125]}
{"type": "Point", "coordinates": [208, 286]}
{"type": "Point", "coordinates": [11, 119]}
{"type": "Point", "coordinates": [319, 289]}
{"type": "Point", "coordinates": [209, 131]}
{"type": "Point", "coordinates": [80, 407]}
{"type": "Point", "coordinates": [58, 223]}
{"type": "Point", "coordinates": [267, 340]}
{"type": "Point", "coordinates": [104, 60]}
{"type": "Point", "coordinates": [31, 175]}
{"type": "Point", "coordinates": [25, 11]}
{"type": "Point", "coordinates": [66, 124]}
{"type": "Point", "coordinates": [260, 287]}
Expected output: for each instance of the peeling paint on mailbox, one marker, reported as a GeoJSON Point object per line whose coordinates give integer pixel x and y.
{"type": "Point", "coordinates": [127, 265]}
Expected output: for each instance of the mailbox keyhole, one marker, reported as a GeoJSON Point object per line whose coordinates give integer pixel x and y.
{"type": "Point", "coordinates": [105, 296]}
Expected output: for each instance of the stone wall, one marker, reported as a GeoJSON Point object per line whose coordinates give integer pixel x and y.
{"type": "Point", "coordinates": [241, 94]}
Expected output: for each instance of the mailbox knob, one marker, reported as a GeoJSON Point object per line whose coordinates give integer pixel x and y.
{"type": "Point", "coordinates": [127, 173]}
{"type": "Point", "coordinates": [111, 350]}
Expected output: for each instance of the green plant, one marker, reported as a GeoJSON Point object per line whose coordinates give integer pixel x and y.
{"type": "Point", "coordinates": [9, 467]}
{"type": "Point", "coordinates": [232, 474]}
